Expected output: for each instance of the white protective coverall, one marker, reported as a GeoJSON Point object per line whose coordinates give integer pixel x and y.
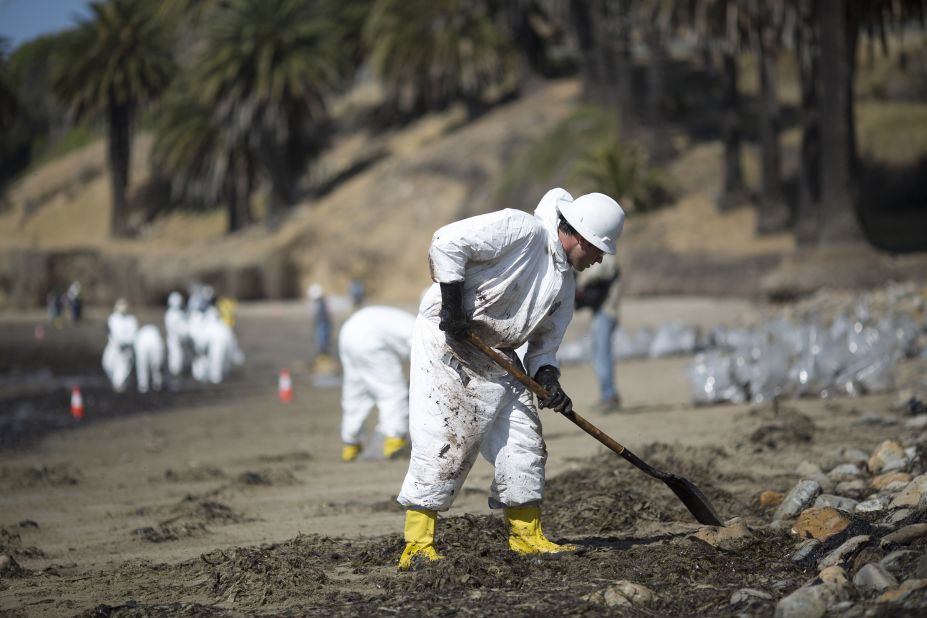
{"type": "Point", "coordinates": [216, 347]}
{"type": "Point", "coordinates": [117, 355]}
{"type": "Point", "coordinates": [518, 287]}
{"type": "Point", "coordinates": [372, 345]}
{"type": "Point", "coordinates": [175, 329]}
{"type": "Point", "coordinates": [149, 358]}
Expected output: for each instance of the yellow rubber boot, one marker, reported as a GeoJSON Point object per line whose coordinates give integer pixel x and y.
{"type": "Point", "coordinates": [420, 538]}
{"type": "Point", "coordinates": [392, 447]}
{"type": "Point", "coordinates": [349, 452]}
{"type": "Point", "coordinates": [525, 535]}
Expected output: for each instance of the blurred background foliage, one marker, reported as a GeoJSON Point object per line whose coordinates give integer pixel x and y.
{"type": "Point", "coordinates": [242, 97]}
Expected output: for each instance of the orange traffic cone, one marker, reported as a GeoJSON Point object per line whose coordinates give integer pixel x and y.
{"type": "Point", "coordinates": [285, 386]}
{"type": "Point", "coordinates": [77, 404]}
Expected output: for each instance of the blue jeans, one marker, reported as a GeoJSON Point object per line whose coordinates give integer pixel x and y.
{"type": "Point", "coordinates": [603, 362]}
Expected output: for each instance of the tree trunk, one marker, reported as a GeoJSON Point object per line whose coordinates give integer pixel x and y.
{"type": "Point", "coordinates": [772, 211]}
{"type": "Point", "coordinates": [120, 151]}
{"type": "Point", "coordinates": [244, 187]}
{"type": "Point", "coordinates": [837, 30]}
{"type": "Point", "coordinates": [582, 17]}
{"type": "Point", "coordinates": [656, 75]}
{"type": "Point", "coordinates": [734, 192]}
{"type": "Point", "coordinates": [279, 169]}
{"type": "Point", "coordinates": [809, 169]}
{"type": "Point", "coordinates": [624, 65]}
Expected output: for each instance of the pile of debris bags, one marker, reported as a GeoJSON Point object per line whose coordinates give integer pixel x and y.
{"type": "Point", "coordinates": [670, 339]}
{"type": "Point", "coordinates": [820, 349]}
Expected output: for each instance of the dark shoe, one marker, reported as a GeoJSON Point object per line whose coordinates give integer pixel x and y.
{"type": "Point", "coordinates": [608, 406]}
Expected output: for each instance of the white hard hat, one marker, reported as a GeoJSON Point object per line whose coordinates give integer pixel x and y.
{"type": "Point", "coordinates": [597, 217]}
{"type": "Point", "coordinates": [315, 291]}
{"type": "Point", "coordinates": [174, 299]}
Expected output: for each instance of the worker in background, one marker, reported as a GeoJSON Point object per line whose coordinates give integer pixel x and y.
{"type": "Point", "coordinates": [373, 345]}
{"type": "Point", "coordinates": [508, 276]}
{"type": "Point", "coordinates": [357, 292]}
{"type": "Point", "coordinates": [149, 358]}
{"type": "Point", "coordinates": [228, 310]}
{"type": "Point", "coordinates": [599, 289]}
{"type": "Point", "coordinates": [121, 328]}
{"type": "Point", "coordinates": [176, 330]}
{"type": "Point", "coordinates": [75, 301]}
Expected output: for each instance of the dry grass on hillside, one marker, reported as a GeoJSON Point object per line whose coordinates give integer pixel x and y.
{"type": "Point", "coordinates": [378, 222]}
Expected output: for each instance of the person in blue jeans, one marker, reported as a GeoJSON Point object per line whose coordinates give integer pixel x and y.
{"type": "Point", "coordinates": [599, 289]}
{"type": "Point", "coordinates": [322, 322]}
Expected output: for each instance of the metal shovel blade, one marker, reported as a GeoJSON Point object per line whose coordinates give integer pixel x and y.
{"type": "Point", "coordinates": [685, 490]}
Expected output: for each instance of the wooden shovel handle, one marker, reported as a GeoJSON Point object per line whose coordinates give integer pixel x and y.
{"type": "Point", "coordinates": [541, 392]}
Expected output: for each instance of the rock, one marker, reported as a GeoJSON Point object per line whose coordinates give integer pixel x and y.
{"type": "Point", "coordinates": [917, 422]}
{"type": "Point", "coordinates": [820, 523]}
{"type": "Point", "coordinates": [900, 515]}
{"type": "Point", "coordinates": [897, 558]}
{"type": "Point", "coordinates": [622, 593]}
{"type": "Point", "coordinates": [812, 472]}
{"type": "Point", "coordinates": [921, 569]}
{"type": "Point", "coordinates": [901, 592]}
{"type": "Point", "coordinates": [854, 455]}
{"type": "Point", "coordinates": [748, 595]}
{"type": "Point", "coordinates": [804, 550]}
{"type": "Point", "coordinates": [844, 472]}
{"type": "Point", "coordinates": [769, 499]}
{"type": "Point", "coordinates": [843, 552]}
{"type": "Point", "coordinates": [808, 602]}
{"type": "Point", "coordinates": [912, 494]}
{"type": "Point", "coordinates": [5, 563]}
{"type": "Point", "coordinates": [887, 457]}
{"type": "Point", "coordinates": [808, 469]}
{"type": "Point", "coordinates": [884, 480]}
{"type": "Point", "coordinates": [836, 502]}
{"type": "Point", "coordinates": [726, 537]}
{"type": "Point", "coordinates": [904, 535]}
{"type": "Point", "coordinates": [869, 553]}
{"type": "Point", "coordinates": [834, 575]}
{"type": "Point", "coordinates": [855, 488]}
{"type": "Point", "coordinates": [874, 578]}
{"type": "Point", "coordinates": [872, 505]}
{"type": "Point", "coordinates": [874, 418]}
{"type": "Point", "coordinates": [797, 499]}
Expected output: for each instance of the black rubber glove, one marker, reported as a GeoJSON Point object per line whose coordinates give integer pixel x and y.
{"type": "Point", "coordinates": [453, 321]}
{"type": "Point", "coordinates": [549, 377]}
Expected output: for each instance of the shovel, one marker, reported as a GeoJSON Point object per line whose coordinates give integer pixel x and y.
{"type": "Point", "coordinates": [690, 495]}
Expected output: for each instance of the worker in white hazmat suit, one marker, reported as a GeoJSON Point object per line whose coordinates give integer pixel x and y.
{"type": "Point", "coordinates": [508, 277]}
{"type": "Point", "coordinates": [149, 358]}
{"type": "Point", "coordinates": [373, 344]}
{"type": "Point", "coordinates": [175, 329]}
{"type": "Point", "coordinates": [216, 346]}
{"type": "Point", "coordinates": [121, 328]}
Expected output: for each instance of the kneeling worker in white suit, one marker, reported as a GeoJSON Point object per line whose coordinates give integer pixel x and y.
{"type": "Point", "coordinates": [149, 358]}
{"type": "Point", "coordinates": [373, 344]}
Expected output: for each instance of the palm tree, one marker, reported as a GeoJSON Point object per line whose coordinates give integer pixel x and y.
{"type": "Point", "coordinates": [428, 53]}
{"type": "Point", "coordinates": [602, 29]}
{"type": "Point", "coordinates": [267, 69]}
{"type": "Point", "coordinates": [767, 21]}
{"type": "Point", "coordinates": [112, 63]}
{"type": "Point", "coordinates": [807, 223]}
{"type": "Point", "coordinates": [204, 169]}
{"type": "Point", "coordinates": [9, 102]}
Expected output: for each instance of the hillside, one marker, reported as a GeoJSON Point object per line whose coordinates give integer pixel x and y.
{"type": "Point", "coordinates": [377, 222]}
